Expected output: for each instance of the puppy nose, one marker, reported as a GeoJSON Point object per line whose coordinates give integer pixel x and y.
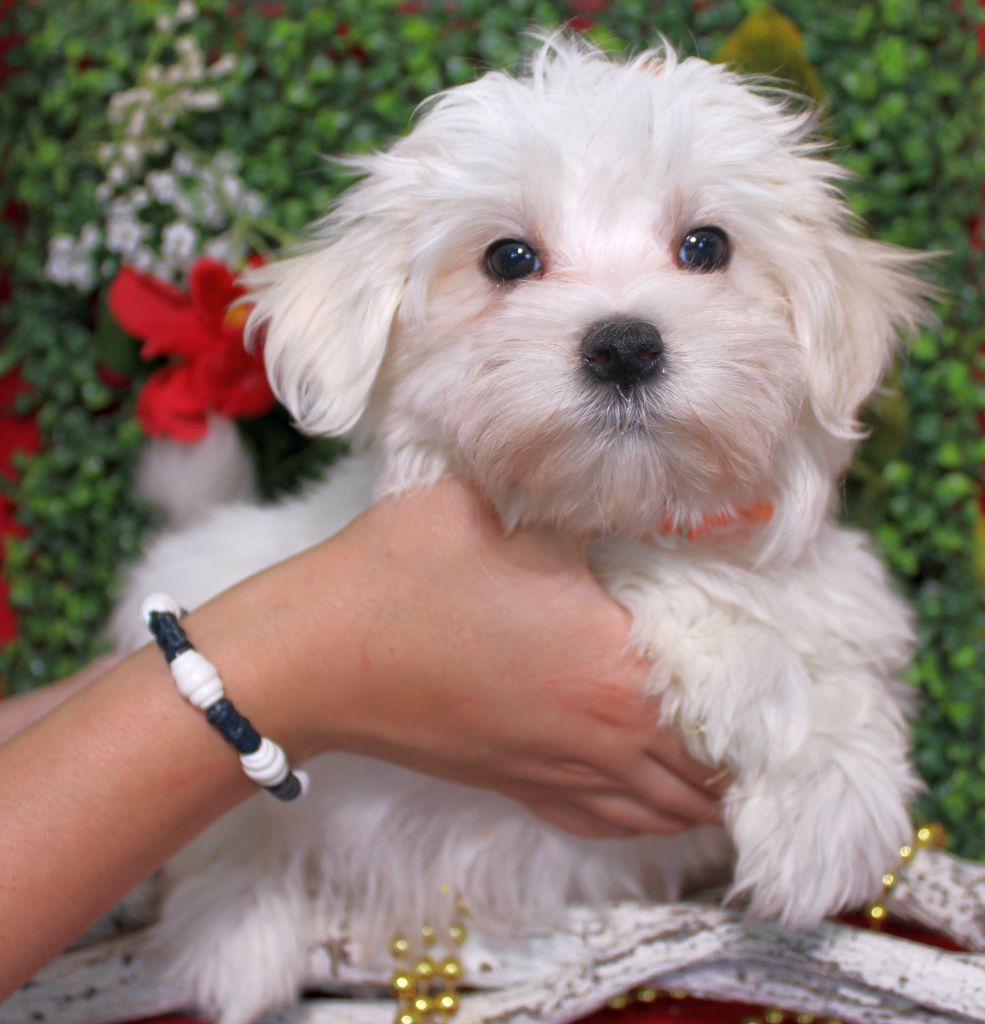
{"type": "Point", "coordinates": [623, 352]}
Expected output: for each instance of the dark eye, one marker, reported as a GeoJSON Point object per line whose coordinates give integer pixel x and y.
{"type": "Point", "coordinates": [704, 249]}
{"type": "Point", "coordinates": [510, 259]}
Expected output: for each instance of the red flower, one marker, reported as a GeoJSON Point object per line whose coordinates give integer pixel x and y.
{"type": "Point", "coordinates": [214, 372]}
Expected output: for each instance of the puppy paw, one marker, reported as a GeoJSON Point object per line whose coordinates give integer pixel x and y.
{"type": "Point", "coordinates": [816, 840]}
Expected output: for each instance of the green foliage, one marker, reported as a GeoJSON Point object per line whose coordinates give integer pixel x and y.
{"type": "Point", "coordinates": [904, 99]}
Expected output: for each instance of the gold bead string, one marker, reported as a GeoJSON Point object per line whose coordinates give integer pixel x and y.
{"type": "Point", "coordinates": [924, 837]}
{"type": "Point", "coordinates": [426, 981]}
{"type": "Point", "coordinates": [930, 835]}
{"type": "Point", "coordinates": [774, 1015]}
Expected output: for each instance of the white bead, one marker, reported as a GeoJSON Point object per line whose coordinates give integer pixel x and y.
{"type": "Point", "coordinates": [158, 603]}
{"type": "Point", "coordinates": [267, 765]}
{"type": "Point", "coordinates": [196, 679]}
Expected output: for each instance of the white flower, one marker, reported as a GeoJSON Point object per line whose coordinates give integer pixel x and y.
{"type": "Point", "coordinates": [90, 237]}
{"type": "Point", "coordinates": [224, 65]}
{"type": "Point", "coordinates": [132, 155]}
{"type": "Point", "coordinates": [182, 163]}
{"type": "Point", "coordinates": [83, 275]}
{"type": "Point", "coordinates": [232, 188]}
{"type": "Point", "coordinates": [124, 236]}
{"type": "Point", "coordinates": [186, 11]}
{"type": "Point", "coordinates": [220, 248]}
{"type": "Point", "coordinates": [61, 245]}
{"type": "Point", "coordinates": [143, 259]}
{"type": "Point", "coordinates": [203, 99]}
{"type": "Point", "coordinates": [117, 174]}
{"type": "Point", "coordinates": [164, 23]}
{"type": "Point", "coordinates": [163, 186]}
{"type": "Point", "coordinates": [139, 198]}
{"type": "Point", "coordinates": [104, 191]}
{"type": "Point", "coordinates": [252, 204]}
{"type": "Point", "coordinates": [225, 162]}
{"type": "Point", "coordinates": [179, 241]}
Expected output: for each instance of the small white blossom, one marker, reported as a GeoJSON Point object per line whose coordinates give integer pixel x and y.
{"type": "Point", "coordinates": [137, 123]}
{"type": "Point", "coordinates": [224, 65]}
{"type": "Point", "coordinates": [232, 188]}
{"type": "Point", "coordinates": [185, 11]}
{"type": "Point", "coordinates": [90, 237]}
{"type": "Point", "coordinates": [162, 186]}
{"type": "Point", "coordinates": [220, 248]}
{"type": "Point", "coordinates": [124, 236]}
{"type": "Point", "coordinates": [103, 191]}
{"type": "Point", "coordinates": [183, 163]}
{"type": "Point", "coordinates": [138, 198]}
{"type": "Point", "coordinates": [203, 99]}
{"type": "Point", "coordinates": [117, 174]}
{"type": "Point", "coordinates": [143, 259]}
{"type": "Point", "coordinates": [83, 276]}
{"type": "Point", "coordinates": [253, 204]}
{"type": "Point", "coordinates": [164, 23]}
{"type": "Point", "coordinates": [179, 241]}
{"type": "Point", "coordinates": [225, 162]}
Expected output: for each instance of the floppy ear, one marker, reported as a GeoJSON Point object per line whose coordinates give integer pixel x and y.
{"type": "Point", "coordinates": [849, 313]}
{"type": "Point", "coordinates": [324, 313]}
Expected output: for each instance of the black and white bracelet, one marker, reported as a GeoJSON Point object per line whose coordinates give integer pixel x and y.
{"type": "Point", "coordinates": [199, 683]}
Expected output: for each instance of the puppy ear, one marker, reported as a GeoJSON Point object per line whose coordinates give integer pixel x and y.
{"type": "Point", "coordinates": [323, 314]}
{"type": "Point", "coordinates": [849, 313]}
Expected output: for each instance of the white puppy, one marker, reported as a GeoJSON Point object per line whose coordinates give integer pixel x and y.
{"type": "Point", "coordinates": [624, 299]}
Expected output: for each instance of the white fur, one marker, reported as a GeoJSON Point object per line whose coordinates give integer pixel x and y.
{"type": "Point", "coordinates": [776, 646]}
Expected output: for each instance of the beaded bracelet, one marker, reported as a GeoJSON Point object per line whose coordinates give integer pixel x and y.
{"type": "Point", "coordinates": [199, 683]}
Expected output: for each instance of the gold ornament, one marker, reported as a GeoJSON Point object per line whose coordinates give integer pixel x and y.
{"type": "Point", "coordinates": [448, 1002]}
{"type": "Point", "coordinates": [773, 1017]}
{"type": "Point", "coordinates": [450, 969]}
{"type": "Point", "coordinates": [423, 1005]}
{"type": "Point", "coordinates": [646, 995]}
{"type": "Point", "coordinates": [619, 1002]}
{"type": "Point", "coordinates": [424, 968]}
{"type": "Point", "coordinates": [458, 933]}
{"type": "Point", "coordinates": [428, 937]}
{"type": "Point", "coordinates": [407, 1017]}
{"type": "Point", "coordinates": [402, 984]}
{"type": "Point", "coordinates": [400, 946]}
{"type": "Point", "coordinates": [877, 912]}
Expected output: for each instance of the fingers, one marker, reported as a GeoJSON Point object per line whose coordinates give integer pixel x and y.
{"type": "Point", "coordinates": [668, 748]}
{"type": "Point", "coordinates": [661, 788]}
{"type": "Point", "coordinates": [606, 816]}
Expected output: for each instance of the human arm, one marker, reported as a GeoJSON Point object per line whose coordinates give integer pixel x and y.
{"type": "Point", "coordinates": [420, 634]}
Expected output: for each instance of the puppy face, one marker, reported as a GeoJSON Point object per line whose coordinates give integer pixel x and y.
{"type": "Point", "coordinates": [609, 293]}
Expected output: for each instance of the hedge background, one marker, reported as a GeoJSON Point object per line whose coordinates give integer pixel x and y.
{"type": "Point", "coordinates": [262, 89]}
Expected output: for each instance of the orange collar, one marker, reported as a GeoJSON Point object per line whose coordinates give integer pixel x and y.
{"type": "Point", "coordinates": [761, 512]}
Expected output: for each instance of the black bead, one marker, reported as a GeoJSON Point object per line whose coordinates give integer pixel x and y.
{"type": "Point", "coordinates": [289, 789]}
{"type": "Point", "coordinates": [235, 728]}
{"type": "Point", "coordinates": [169, 635]}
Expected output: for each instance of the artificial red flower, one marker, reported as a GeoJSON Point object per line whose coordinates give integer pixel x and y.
{"type": "Point", "coordinates": [213, 371]}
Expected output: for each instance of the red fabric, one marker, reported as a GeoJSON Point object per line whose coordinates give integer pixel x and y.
{"type": "Point", "coordinates": [213, 371]}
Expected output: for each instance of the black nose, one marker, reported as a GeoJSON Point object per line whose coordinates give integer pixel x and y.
{"type": "Point", "coordinates": [623, 352]}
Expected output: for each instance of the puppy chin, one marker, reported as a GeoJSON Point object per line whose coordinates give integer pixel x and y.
{"type": "Point", "coordinates": [628, 474]}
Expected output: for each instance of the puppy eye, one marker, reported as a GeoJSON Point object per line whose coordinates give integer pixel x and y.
{"type": "Point", "coordinates": [704, 249]}
{"type": "Point", "coordinates": [509, 259]}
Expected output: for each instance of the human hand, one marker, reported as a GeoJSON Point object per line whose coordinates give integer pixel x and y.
{"type": "Point", "coordinates": [492, 660]}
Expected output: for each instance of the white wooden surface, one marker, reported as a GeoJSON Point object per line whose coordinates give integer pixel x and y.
{"type": "Point", "coordinates": [859, 976]}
